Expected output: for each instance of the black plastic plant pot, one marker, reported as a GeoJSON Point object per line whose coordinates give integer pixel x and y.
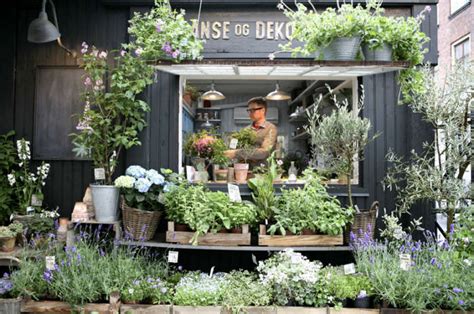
{"type": "Point", "coordinates": [363, 303]}
{"type": "Point", "coordinates": [347, 302]}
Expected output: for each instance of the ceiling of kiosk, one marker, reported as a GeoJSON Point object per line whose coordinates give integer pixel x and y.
{"type": "Point", "coordinates": [288, 71]}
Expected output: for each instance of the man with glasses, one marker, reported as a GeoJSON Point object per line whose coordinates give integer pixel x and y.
{"type": "Point", "coordinates": [266, 132]}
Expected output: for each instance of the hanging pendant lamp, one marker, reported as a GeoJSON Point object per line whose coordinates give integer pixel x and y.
{"type": "Point", "coordinates": [278, 94]}
{"type": "Point", "coordinates": [213, 94]}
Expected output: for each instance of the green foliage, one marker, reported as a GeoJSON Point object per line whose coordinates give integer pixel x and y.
{"type": "Point", "coordinates": [147, 290]}
{"type": "Point", "coordinates": [218, 149]}
{"type": "Point", "coordinates": [463, 237]}
{"type": "Point", "coordinates": [204, 211]}
{"type": "Point", "coordinates": [310, 207]}
{"type": "Point", "coordinates": [164, 33]}
{"type": "Point", "coordinates": [193, 91]}
{"type": "Point", "coordinates": [7, 163]}
{"type": "Point", "coordinates": [348, 286]}
{"type": "Point", "coordinates": [246, 138]}
{"type": "Point", "coordinates": [341, 137]}
{"type": "Point", "coordinates": [436, 173]}
{"type": "Point", "coordinates": [113, 116]}
{"type": "Point", "coordinates": [27, 280]}
{"type": "Point", "coordinates": [199, 289]}
{"type": "Point", "coordinates": [436, 278]}
{"type": "Point", "coordinates": [263, 192]}
{"type": "Point", "coordinates": [6, 232]}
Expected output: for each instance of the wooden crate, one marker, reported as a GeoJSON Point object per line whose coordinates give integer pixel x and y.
{"type": "Point", "coordinates": [215, 239]}
{"type": "Point", "coordinates": [145, 309]}
{"type": "Point", "coordinates": [265, 239]}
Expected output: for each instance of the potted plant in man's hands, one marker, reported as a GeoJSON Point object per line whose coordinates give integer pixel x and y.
{"type": "Point", "coordinates": [246, 139]}
{"type": "Point", "coordinates": [111, 120]}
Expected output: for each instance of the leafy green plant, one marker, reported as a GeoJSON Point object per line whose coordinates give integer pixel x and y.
{"type": "Point", "coordinates": [192, 91]}
{"type": "Point", "coordinates": [7, 163]}
{"type": "Point", "coordinates": [341, 136]}
{"type": "Point", "coordinates": [246, 138]}
{"type": "Point", "coordinates": [218, 156]}
{"type": "Point", "coordinates": [164, 33]}
{"type": "Point", "coordinates": [6, 232]}
{"type": "Point", "coordinates": [144, 290]}
{"type": "Point", "coordinates": [463, 236]}
{"type": "Point", "coordinates": [292, 276]}
{"type": "Point", "coordinates": [349, 286]}
{"type": "Point", "coordinates": [113, 115]}
{"type": "Point", "coordinates": [436, 174]}
{"type": "Point", "coordinates": [199, 289]}
{"type": "Point", "coordinates": [263, 192]}
{"type": "Point", "coordinates": [310, 207]}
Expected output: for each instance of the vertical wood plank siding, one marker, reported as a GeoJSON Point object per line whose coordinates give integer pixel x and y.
{"type": "Point", "coordinates": [106, 27]}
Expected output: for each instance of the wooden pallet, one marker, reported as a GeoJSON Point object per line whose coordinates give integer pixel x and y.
{"type": "Point", "coordinates": [265, 239]}
{"type": "Point", "coordinates": [214, 239]}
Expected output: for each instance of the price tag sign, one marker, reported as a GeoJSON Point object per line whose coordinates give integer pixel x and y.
{"type": "Point", "coordinates": [50, 261]}
{"type": "Point", "coordinates": [99, 173]}
{"type": "Point", "coordinates": [173, 257]}
{"type": "Point", "coordinates": [36, 200]}
{"type": "Point", "coordinates": [233, 143]}
{"type": "Point", "coordinates": [30, 209]}
{"type": "Point", "coordinates": [405, 261]}
{"type": "Point", "coordinates": [349, 269]}
{"type": "Point", "coordinates": [234, 192]}
{"type": "Point", "coordinates": [212, 271]}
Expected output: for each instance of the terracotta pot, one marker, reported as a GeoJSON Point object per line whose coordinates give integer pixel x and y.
{"type": "Point", "coordinates": [7, 244]}
{"type": "Point", "coordinates": [241, 171]}
{"type": "Point", "coordinates": [188, 99]}
{"type": "Point", "coordinates": [221, 175]}
{"type": "Point", "coordinates": [181, 227]}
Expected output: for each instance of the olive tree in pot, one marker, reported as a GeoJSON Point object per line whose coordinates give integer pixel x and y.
{"type": "Point", "coordinates": [246, 139]}
{"type": "Point", "coordinates": [111, 120]}
{"type": "Point", "coordinates": [436, 173]}
{"type": "Point", "coordinates": [341, 137]}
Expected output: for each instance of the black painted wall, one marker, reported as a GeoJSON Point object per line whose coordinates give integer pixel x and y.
{"type": "Point", "coordinates": [104, 23]}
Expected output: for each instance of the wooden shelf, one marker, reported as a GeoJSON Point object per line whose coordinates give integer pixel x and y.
{"type": "Point", "coordinates": [249, 248]}
{"type": "Point", "coordinates": [304, 93]}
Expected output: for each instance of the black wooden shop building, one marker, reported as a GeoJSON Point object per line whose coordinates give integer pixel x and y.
{"type": "Point", "coordinates": [39, 84]}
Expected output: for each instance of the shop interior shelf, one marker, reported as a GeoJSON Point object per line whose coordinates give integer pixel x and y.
{"type": "Point", "coordinates": [210, 120]}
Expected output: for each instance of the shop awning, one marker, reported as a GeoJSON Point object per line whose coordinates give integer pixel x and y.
{"type": "Point", "coordinates": [278, 69]}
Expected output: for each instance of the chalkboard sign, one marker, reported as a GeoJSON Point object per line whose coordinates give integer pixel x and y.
{"type": "Point", "coordinates": [57, 100]}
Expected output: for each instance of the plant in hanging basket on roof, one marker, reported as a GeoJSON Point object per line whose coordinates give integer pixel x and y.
{"type": "Point", "coordinates": [163, 33]}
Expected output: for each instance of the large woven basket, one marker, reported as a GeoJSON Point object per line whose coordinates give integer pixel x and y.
{"type": "Point", "coordinates": [362, 221]}
{"type": "Point", "coordinates": [139, 224]}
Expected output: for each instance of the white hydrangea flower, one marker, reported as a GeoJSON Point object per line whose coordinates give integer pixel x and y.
{"type": "Point", "coordinates": [11, 179]}
{"type": "Point", "coordinates": [124, 182]}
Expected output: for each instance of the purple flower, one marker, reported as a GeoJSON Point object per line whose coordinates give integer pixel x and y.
{"type": "Point", "coordinates": [136, 282]}
{"type": "Point", "coordinates": [433, 261]}
{"type": "Point", "coordinates": [175, 53]}
{"type": "Point", "coordinates": [149, 280]}
{"type": "Point", "coordinates": [158, 26]}
{"type": "Point", "coordinates": [167, 48]}
{"type": "Point", "coordinates": [122, 53]}
{"type": "Point", "coordinates": [101, 252]}
{"type": "Point", "coordinates": [461, 302]}
{"type": "Point", "coordinates": [457, 290]}
{"type": "Point", "coordinates": [48, 276]}
{"type": "Point", "coordinates": [428, 8]}
{"type": "Point", "coordinates": [138, 51]}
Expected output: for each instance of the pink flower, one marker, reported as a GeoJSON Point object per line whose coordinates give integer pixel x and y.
{"type": "Point", "coordinates": [428, 9]}
{"type": "Point", "coordinates": [99, 82]}
{"type": "Point", "coordinates": [175, 53]}
{"type": "Point", "coordinates": [122, 52]}
{"type": "Point", "coordinates": [103, 54]}
{"type": "Point", "coordinates": [84, 47]}
{"type": "Point", "coordinates": [138, 51]}
{"type": "Point", "coordinates": [87, 81]}
{"type": "Point", "coordinates": [95, 52]}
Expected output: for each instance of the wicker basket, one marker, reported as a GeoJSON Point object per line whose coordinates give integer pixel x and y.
{"type": "Point", "coordinates": [139, 224]}
{"type": "Point", "coordinates": [362, 220]}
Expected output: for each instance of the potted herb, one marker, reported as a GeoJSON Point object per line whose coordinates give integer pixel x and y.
{"type": "Point", "coordinates": [190, 95]}
{"type": "Point", "coordinates": [7, 239]}
{"type": "Point", "coordinates": [8, 302]}
{"type": "Point", "coordinates": [26, 185]}
{"type": "Point", "coordinates": [246, 139]}
{"type": "Point", "coordinates": [220, 161]}
{"type": "Point", "coordinates": [309, 210]}
{"type": "Point", "coordinates": [141, 204]}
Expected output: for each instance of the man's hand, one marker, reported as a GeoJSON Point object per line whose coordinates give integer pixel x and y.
{"type": "Point", "coordinates": [231, 153]}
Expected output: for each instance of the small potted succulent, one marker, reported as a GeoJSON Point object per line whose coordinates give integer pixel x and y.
{"type": "Point", "coordinates": [8, 302]}
{"type": "Point", "coordinates": [246, 139]}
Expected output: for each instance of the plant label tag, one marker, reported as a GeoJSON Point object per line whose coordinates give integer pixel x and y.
{"type": "Point", "coordinates": [349, 269]}
{"type": "Point", "coordinates": [190, 171]}
{"type": "Point", "coordinates": [29, 210]}
{"type": "Point", "coordinates": [173, 257]}
{"type": "Point", "coordinates": [234, 192]}
{"type": "Point", "coordinates": [50, 261]}
{"type": "Point", "coordinates": [405, 261]}
{"type": "Point", "coordinates": [233, 143]}
{"type": "Point", "coordinates": [254, 259]}
{"type": "Point", "coordinates": [212, 271]}
{"type": "Point", "coordinates": [161, 198]}
{"type": "Point", "coordinates": [266, 222]}
{"type": "Point", "coordinates": [99, 173]}
{"type": "Point", "coordinates": [36, 200]}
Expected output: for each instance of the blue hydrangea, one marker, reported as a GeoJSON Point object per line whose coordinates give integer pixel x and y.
{"type": "Point", "coordinates": [167, 187]}
{"type": "Point", "coordinates": [142, 185]}
{"type": "Point", "coordinates": [155, 177]}
{"type": "Point", "coordinates": [136, 172]}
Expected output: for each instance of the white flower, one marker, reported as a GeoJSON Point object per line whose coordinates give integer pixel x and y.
{"type": "Point", "coordinates": [124, 182]}
{"type": "Point", "coordinates": [11, 179]}
{"type": "Point", "coordinates": [130, 290]}
{"type": "Point", "coordinates": [271, 56]}
{"type": "Point", "coordinates": [103, 54]}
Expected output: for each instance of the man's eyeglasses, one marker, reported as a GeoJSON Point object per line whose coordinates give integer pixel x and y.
{"type": "Point", "coordinates": [252, 110]}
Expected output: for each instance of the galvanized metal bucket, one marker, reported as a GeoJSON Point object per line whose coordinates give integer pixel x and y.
{"type": "Point", "coordinates": [10, 306]}
{"type": "Point", "coordinates": [382, 53]}
{"type": "Point", "coordinates": [344, 48]}
{"type": "Point", "coordinates": [105, 199]}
